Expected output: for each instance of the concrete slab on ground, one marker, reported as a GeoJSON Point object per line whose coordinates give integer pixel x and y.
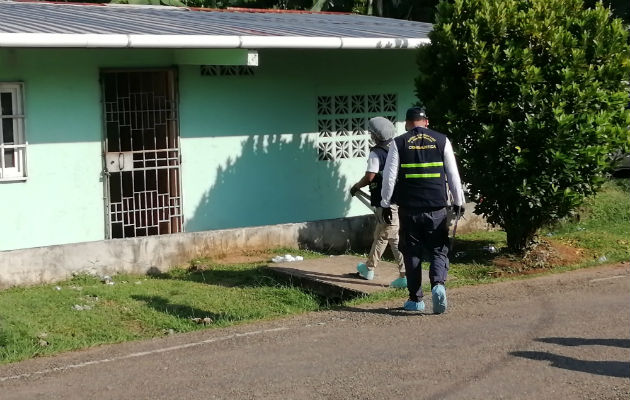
{"type": "Point", "coordinates": [337, 277]}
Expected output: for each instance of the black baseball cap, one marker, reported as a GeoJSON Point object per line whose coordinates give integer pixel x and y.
{"type": "Point", "coordinates": [415, 114]}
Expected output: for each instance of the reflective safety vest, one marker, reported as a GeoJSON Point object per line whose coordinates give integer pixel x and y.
{"type": "Point", "coordinates": [421, 175]}
{"type": "Point", "coordinates": [377, 183]}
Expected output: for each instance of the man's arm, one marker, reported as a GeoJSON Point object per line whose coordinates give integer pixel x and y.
{"type": "Point", "coordinates": [390, 174]}
{"type": "Point", "coordinates": [452, 175]}
{"type": "Point", "coordinates": [364, 181]}
{"type": "Point", "coordinates": [370, 173]}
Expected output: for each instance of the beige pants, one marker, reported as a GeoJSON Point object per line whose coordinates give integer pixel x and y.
{"type": "Point", "coordinates": [384, 234]}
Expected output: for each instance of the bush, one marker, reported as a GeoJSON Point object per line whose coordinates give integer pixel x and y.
{"type": "Point", "coordinates": [533, 95]}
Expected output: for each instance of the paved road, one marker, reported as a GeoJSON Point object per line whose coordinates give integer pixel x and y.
{"type": "Point", "coordinates": [564, 336]}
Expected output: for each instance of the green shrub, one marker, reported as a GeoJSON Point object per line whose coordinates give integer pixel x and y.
{"type": "Point", "coordinates": [533, 95]}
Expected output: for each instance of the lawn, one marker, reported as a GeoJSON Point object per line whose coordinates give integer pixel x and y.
{"type": "Point", "coordinates": [207, 294]}
{"type": "Point", "coordinates": [598, 233]}
{"type": "Point", "coordinates": [85, 311]}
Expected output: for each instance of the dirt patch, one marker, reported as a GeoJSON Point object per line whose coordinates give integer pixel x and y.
{"type": "Point", "coordinates": [243, 257]}
{"type": "Point", "coordinates": [544, 255]}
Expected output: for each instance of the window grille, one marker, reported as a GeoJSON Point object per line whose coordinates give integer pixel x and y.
{"type": "Point", "coordinates": [12, 142]}
{"type": "Point", "coordinates": [342, 123]}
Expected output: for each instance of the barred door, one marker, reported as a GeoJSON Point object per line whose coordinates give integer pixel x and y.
{"type": "Point", "coordinates": [142, 156]}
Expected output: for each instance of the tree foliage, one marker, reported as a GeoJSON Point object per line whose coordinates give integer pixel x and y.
{"type": "Point", "coordinates": [533, 95]}
{"type": "Point", "coordinates": [415, 10]}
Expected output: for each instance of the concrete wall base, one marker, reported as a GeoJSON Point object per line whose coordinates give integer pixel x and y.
{"type": "Point", "coordinates": [155, 254]}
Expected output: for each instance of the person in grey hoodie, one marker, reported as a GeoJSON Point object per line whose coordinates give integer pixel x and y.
{"type": "Point", "coordinates": [382, 132]}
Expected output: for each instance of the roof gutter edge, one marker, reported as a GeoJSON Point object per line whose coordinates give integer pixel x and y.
{"type": "Point", "coordinates": [69, 40]}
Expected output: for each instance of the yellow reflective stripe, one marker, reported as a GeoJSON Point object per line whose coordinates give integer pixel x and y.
{"type": "Point", "coordinates": [422, 175]}
{"type": "Point", "coordinates": [423, 165]}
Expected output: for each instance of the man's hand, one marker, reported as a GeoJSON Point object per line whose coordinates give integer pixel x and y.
{"type": "Point", "coordinates": [387, 215]}
{"type": "Point", "coordinates": [354, 189]}
{"type": "Point", "coordinates": [458, 210]}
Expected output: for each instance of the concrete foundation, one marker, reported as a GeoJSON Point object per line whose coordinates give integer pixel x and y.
{"type": "Point", "coordinates": [159, 253]}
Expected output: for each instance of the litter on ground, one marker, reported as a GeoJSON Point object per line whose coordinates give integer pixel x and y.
{"type": "Point", "coordinates": [287, 258]}
{"type": "Point", "coordinates": [79, 307]}
{"type": "Point", "coordinates": [490, 249]}
{"type": "Point", "coordinates": [204, 321]}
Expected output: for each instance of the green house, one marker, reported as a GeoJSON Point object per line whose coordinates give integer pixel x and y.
{"type": "Point", "coordinates": [121, 122]}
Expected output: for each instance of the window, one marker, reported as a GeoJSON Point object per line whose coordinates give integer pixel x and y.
{"type": "Point", "coordinates": [342, 123]}
{"type": "Point", "coordinates": [12, 143]}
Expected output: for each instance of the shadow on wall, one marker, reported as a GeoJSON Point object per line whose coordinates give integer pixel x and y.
{"type": "Point", "coordinates": [340, 236]}
{"type": "Point", "coordinates": [276, 179]}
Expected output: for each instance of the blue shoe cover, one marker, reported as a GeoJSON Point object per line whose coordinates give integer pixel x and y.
{"type": "Point", "coordinates": [414, 305]}
{"type": "Point", "coordinates": [364, 272]}
{"type": "Point", "coordinates": [439, 299]}
{"type": "Point", "coordinates": [400, 283]}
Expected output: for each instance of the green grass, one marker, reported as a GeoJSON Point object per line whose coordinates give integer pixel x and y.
{"type": "Point", "coordinates": [138, 307]}
{"type": "Point", "coordinates": [38, 321]}
{"type": "Point", "coordinates": [601, 227]}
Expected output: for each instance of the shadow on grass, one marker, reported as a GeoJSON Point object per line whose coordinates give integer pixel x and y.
{"type": "Point", "coordinates": [473, 251]}
{"type": "Point", "coordinates": [254, 277]}
{"type": "Point", "coordinates": [238, 277]}
{"type": "Point", "coordinates": [162, 304]}
{"type": "Point", "coordinates": [466, 251]}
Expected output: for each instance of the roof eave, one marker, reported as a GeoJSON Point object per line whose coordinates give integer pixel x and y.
{"type": "Point", "coordinates": [65, 40]}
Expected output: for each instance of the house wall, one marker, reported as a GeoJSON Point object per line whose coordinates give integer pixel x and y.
{"type": "Point", "coordinates": [248, 142]}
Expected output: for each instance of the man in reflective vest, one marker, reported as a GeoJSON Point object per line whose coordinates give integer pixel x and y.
{"type": "Point", "coordinates": [419, 165]}
{"type": "Point", "coordinates": [382, 131]}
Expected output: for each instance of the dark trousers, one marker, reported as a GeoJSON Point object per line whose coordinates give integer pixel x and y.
{"type": "Point", "coordinates": [423, 231]}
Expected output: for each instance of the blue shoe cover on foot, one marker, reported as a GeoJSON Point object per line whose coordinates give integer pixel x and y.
{"type": "Point", "coordinates": [364, 272]}
{"type": "Point", "coordinates": [400, 283]}
{"type": "Point", "coordinates": [414, 305]}
{"type": "Point", "coordinates": [439, 299]}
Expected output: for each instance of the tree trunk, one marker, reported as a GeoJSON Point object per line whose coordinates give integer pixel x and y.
{"type": "Point", "coordinates": [318, 5]}
{"type": "Point", "coordinates": [379, 7]}
{"type": "Point", "coordinates": [519, 237]}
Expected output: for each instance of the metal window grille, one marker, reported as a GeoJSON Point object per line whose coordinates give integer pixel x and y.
{"type": "Point", "coordinates": [12, 141]}
{"type": "Point", "coordinates": [142, 154]}
{"type": "Point", "coordinates": [342, 122]}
